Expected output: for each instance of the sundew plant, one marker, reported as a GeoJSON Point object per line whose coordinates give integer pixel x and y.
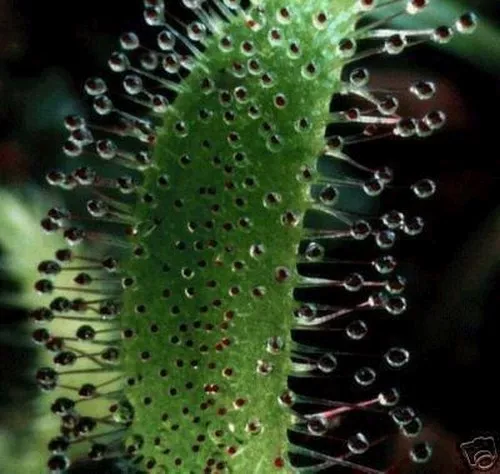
{"type": "Point", "coordinates": [225, 298]}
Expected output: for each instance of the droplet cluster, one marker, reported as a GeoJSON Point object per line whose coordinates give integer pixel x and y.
{"type": "Point", "coordinates": [228, 244]}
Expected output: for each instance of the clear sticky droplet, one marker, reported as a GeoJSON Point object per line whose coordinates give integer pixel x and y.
{"type": "Point", "coordinates": [359, 77]}
{"type": "Point", "coordinates": [328, 194]}
{"type": "Point", "coordinates": [424, 189]}
{"type": "Point", "coordinates": [358, 444]}
{"type": "Point", "coordinates": [354, 282]}
{"type": "Point", "coordinates": [103, 105]}
{"type": "Point", "coordinates": [389, 397]}
{"type": "Point", "coordinates": [165, 40]}
{"type": "Point", "coordinates": [327, 363]}
{"type": "Point", "coordinates": [385, 239]}
{"type": "Point", "coordinates": [467, 23]}
{"type": "Point", "coordinates": [393, 219]}
{"type": "Point", "coordinates": [314, 252]}
{"type": "Point", "coordinates": [197, 31]}
{"type": "Point", "coordinates": [129, 41]}
{"type": "Point", "coordinates": [413, 226]}
{"type": "Point", "coordinates": [373, 187]}
{"type": "Point", "coordinates": [423, 90]}
{"type": "Point", "coordinates": [118, 62]}
{"type": "Point", "coordinates": [395, 285]}
{"type": "Point", "coordinates": [413, 428]}
{"type": "Point", "coordinates": [421, 453]}
{"type": "Point", "coordinates": [95, 86]}
{"type": "Point", "coordinates": [395, 44]}
{"type": "Point", "coordinates": [356, 330]}
{"type": "Point", "coordinates": [395, 305]}
{"type": "Point", "coordinates": [384, 175]}
{"type": "Point", "coordinates": [275, 344]}
{"type": "Point", "coordinates": [397, 357]}
{"type": "Point", "coordinates": [384, 264]}
{"type": "Point", "coordinates": [365, 376]}
{"type": "Point", "coordinates": [360, 230]}
{"type": "Point", "coordinates": [123, 412]}
{"type": "Point", "coordinates": [402, 415]}
{"type": "Point", "coordinates": [132, 84]}
{"type": "Point", "coordinates": [317, 426]}
{"type": "Point", "coordinates": [306, 313]}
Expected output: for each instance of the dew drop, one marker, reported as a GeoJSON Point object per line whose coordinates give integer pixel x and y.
{"type": "Point", "coordinates": [132, 84]}
{"type": "Point", "coordinates": [423, 189]}
{"type": "Point", "coordinates": [133, 443]}
{"type": "Point", "coordinates": [360, 230]}
{"type": "Point", "coordinates": [314, 252]}
{"type": "Point", "coordinates": [406, 127]}
{"type": "Point", "coordinates": [62, 406]}
{"type": "Point", "coordinates": [58, 464]}
{"type": "Point", "coordinates": [346, 48]}
{"type": "Point", "coordinates": [416, 6]}
{"type": "Point", "coordinates": [165, 40]}
{"type": "Point", "coordinates": [413, 428]}
{"type": "Point", "coordinates": [435, 119]}
{"type": "Point", "coordinates": [196, 31]}
{"type": "Point", "coordinates": [389, 397]}
{"type": "Point", "coordinates": [129, 41]}
{"type": "Point", "coordinates": [264, 368]}
{"type": "Point", "coordinates": [384, 264]}
{"type": "Point", "coordinates": [359, 77]}
{"type": "Point", "coordinates": [74, 122]}
{"type": "Point", "coordinates": [59, 445]}
{"type": "Point", "coordinates": [393, 219]}
{"type": "Point", "coordinates": [395, 44]}
{"type": "Point", "coordinates": [85, 333]}
{"type": "Point", "coordinates": [160, 103]}
{"type": "Point", "coordinates": [395, 305]}
{"type": "Point", "coordinates": [328, 194]}
{"type": "Point", "coordinates": [275, 344]}
{"type": "Point", "coordinates": [103, 105]}
{"type": "Point", "coordinates": [373, 187]}
{"type": "Point", "coordinates": [421, 453]}
{"type": "Point", "coordinates": [192, 4]}
{"type": "Point", "coordinates": [402, 415]}
{"type": "Point", "coordinates": [353, 282]}
{"type": "Point", "coordinates": [49, 267]}
{"type": "Point", "coordinates": [118, 62]}
{"type": "Point", "coordinates": [397, 357]}
{"type": "Point", "coordinates": [97, 451]}
{"type": "Point", "coordinates": [388, 106]}
{"type": "Point", "coordinates": [413, 226]}
{"type": "Point", "coordinates": [253, 427]}
{"type": "Point", "coordinates": [442, 34]}
{"type": "Point", "coordinates": [467, 23]}
{"type": "Point", "coordinates": [395, 285]}
{"type": "Point", "coordinates": [385, 239]}
{"type": "Point", "coordinates": [327, 363]}
{"type": "Point", "coordinates": [149, 60]}
{"type": "Point", "coordinates": [358, 444]}
{"type": "Point", "coordinates": [153, 16]}
{"type": "Point", "coordinates": [274, 143]}
{"type": "Point", "coordinates": [365, 376]}
{"type": "Point", "coordinates": [106, 149]}
{"type": "Point", "coordinates": [95, 86]}
{"type": "Point", "coordinates": [356, 330]}
{"type": "Point", "coordinates": [306, 313]}
{"type": "Point", "coordinates": [423, 90]}
{"type": "Point", "coordinates": [384, 175]}
{"type": "Point", "coordinates": [123, 412]}
{"type": "Point", "coordinates": [317, 426]}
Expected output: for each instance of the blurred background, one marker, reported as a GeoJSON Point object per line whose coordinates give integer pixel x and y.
{"type": "Point", "coordinates": [48, 49]}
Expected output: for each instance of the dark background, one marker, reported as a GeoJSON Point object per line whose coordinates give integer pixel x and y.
{"type": "Point", "coordinates": [47, 51]}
